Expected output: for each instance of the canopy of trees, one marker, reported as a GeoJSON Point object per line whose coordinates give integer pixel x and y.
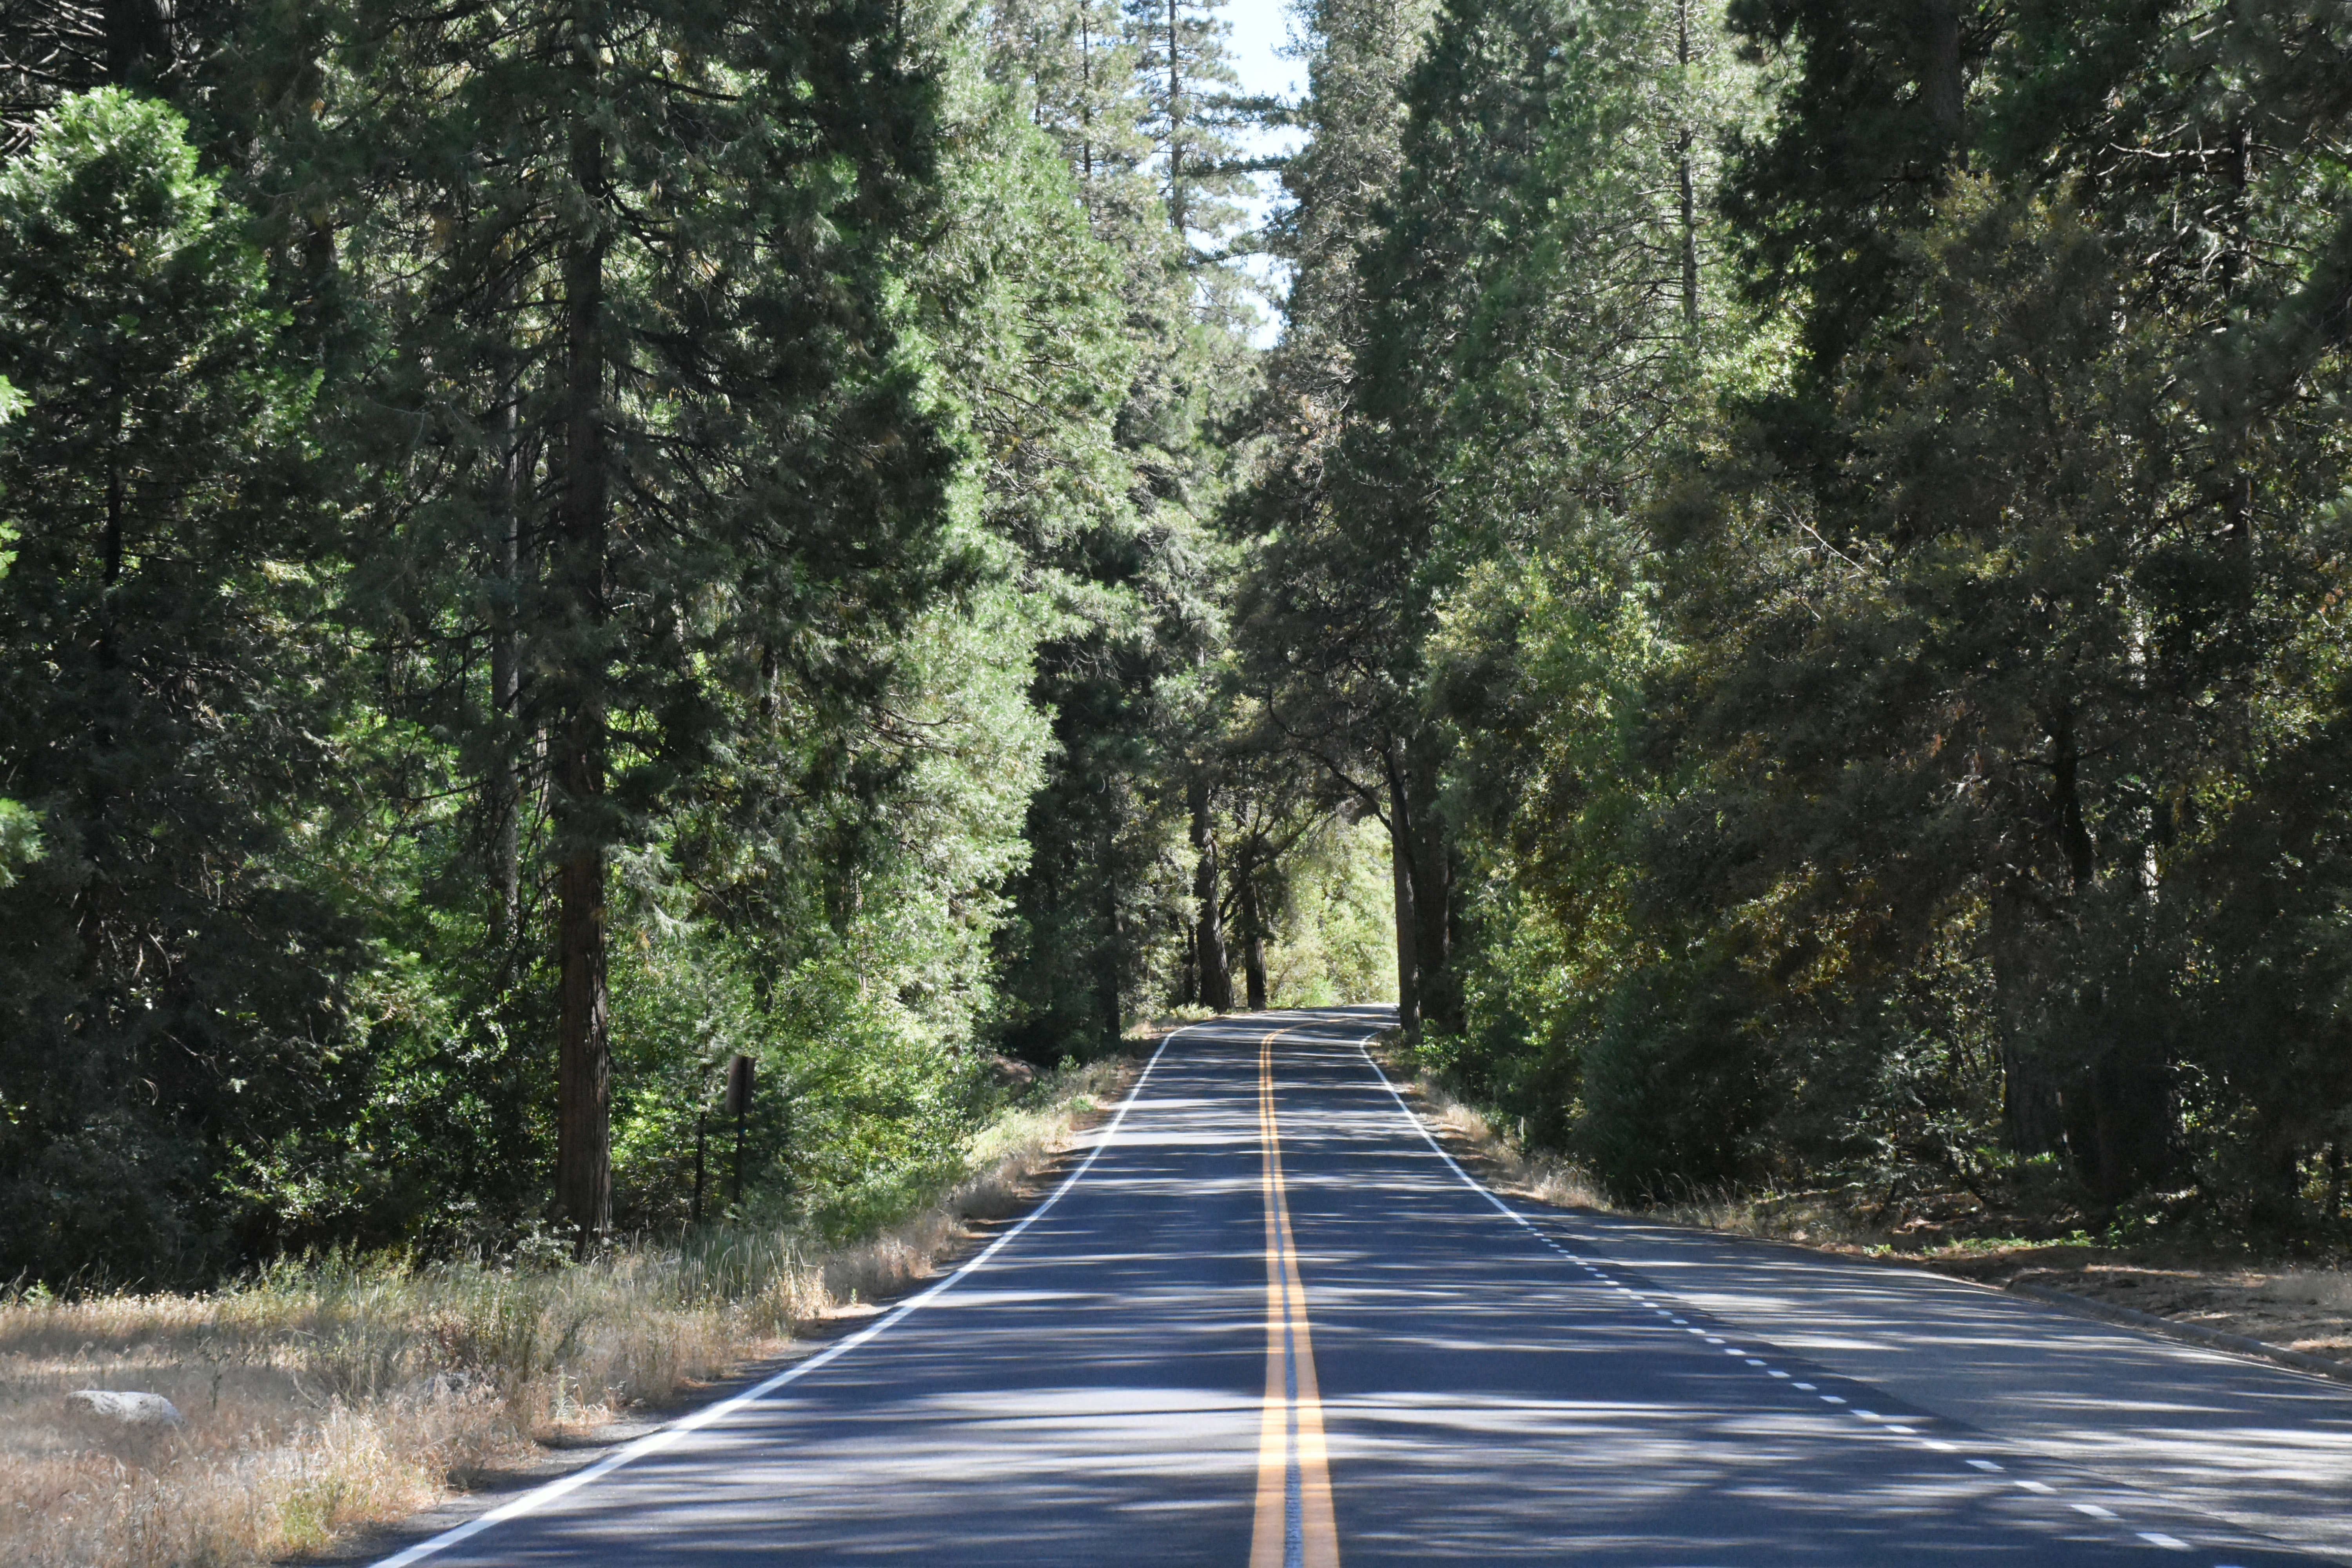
{"type": "Point", "coordinates": [1781, 588]}
{"type": "Point", "coordinates": [1822, 527]}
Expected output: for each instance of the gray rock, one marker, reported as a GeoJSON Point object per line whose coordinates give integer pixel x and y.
{"type": "Point", "coordinates": [129, 1409]}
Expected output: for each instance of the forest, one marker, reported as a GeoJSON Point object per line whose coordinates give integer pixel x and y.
{"type": "Point", "coordinates": [1772, 572]}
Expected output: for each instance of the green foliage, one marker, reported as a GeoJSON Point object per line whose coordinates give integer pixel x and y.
{"type": "Point", "coordinates": [1099, 913]}
{"type": "Point", "coordinates": [734, 484]}
{"type": "Point", "coordinates": [20, 840]}
{"type": "Point", "coordinates": [1879, 712]}
{"type": "Point", "coordinates": [168, 689]}
{"type": "Point", "coordinates": [1783, 591]}
{"type": "Point", "coordinates": [1333, 940]}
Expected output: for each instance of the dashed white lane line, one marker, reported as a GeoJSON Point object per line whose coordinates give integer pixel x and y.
{"type": "Point", "coordinates": [1894, 1428]}
{"type": "Point", "coordinates": [1882, 1422]}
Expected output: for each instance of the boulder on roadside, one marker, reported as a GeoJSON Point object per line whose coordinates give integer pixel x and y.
{"type": "Point", "coordinates": [127, 1409]}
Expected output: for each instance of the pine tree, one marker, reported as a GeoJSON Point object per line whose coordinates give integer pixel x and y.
{"type": "Point", "coordinates": [659, 365]}
{"type": "Point", "coordinates": [168, 690]}
{"type": "Point", "coordinates": [2018, 630]}
{"type": "Point", "coordinates": [1192, 113]}
{"type": "Point", "coordinates": [1099, 906]}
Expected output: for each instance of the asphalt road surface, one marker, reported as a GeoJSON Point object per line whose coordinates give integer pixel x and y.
{"type": "Point", "coordinates": [1269, 1322]}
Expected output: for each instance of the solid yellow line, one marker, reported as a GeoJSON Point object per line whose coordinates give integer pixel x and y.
{"type": "Point", "coordinates": [1289, 1358]}
{"type": "Point", "coordinates": [1266, 1540]}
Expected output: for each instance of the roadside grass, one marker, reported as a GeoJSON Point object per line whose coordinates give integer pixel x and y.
{"type": "Point", "coordinates": [1546, 1178]}
{"type": "Point", "coordinates": [329, 1393]}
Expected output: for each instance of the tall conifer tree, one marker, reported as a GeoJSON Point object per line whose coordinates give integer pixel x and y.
{"type": "Point", "coordinates": [655, 323]}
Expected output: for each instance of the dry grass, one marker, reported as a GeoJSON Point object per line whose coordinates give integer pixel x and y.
{"type": "Point", "coordinates": [1813, 1219]}
{"type": "Point", "coordinates": [328, 1394]}
{"type": "Point", "coordinates": [1510, 1166]}
{"type": "Point", "coordinates": [2290, 1304]}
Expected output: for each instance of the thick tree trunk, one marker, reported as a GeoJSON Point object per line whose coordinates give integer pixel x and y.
{"type": "Point", "coordinates": [1209, 935]}
{"type": "Point", "coordinates": [1431, 865]}
{"type": "Point", "coordinates": [138, 40]}
{"type": "Point", "coordinates": [583, 1183]}
{"type": "Point", "coordinates": [583, 1180]}
{"type": "Point", "coordinates": [1940, 87]}
{"type": "Point", "coordinates": [2066, 803]}
{"type": "Point", "coordinates": [2124, 1128]}
{"type": "Point", "coordinates": [2029, 1110]}
{"type": "Point", "coordinates": [1432, 903]}
{"type": "Point", "coordinates": [1408, 924]}
{"type": "Point", "coordinates": [1253, 933]}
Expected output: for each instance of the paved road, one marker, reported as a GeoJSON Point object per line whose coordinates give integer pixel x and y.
{"type": "Point", "coordinates": [1269, 1322]}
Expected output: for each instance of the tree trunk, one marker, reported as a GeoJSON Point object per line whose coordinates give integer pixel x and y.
{"type": "Point", "coordinates": [1408, 926]}
{"type": "Point", "coordinates": [1253, 932]}
{"type": "Point", "coordinates": [1176, 213]}
{"type": "Point", "coordinates": [1683, 143]}
{"type": "Point", "coordinates": [1208, 935]}
{"type": "Point", "coordinates": [2237, 477]}
{"type": "Point", "coordinates": [583, 1177]}
{"type": "Point", "coordinates": [1940, 87]}
{"type": "Point", "coordinates": [1111, 972]}
{"type": "Point", "coordinates": [2029, 1110]}
{"type": "Point", "coordinates": [1429, 862]}
{"type": "Point", "coordinates": [138, 40]}
{"type": "Point", "coordinates": [1432, 903]}
{"type": "Point", "coordinates": [2066, 803]}
{"type": "Point", "coordinates": [505, 682]}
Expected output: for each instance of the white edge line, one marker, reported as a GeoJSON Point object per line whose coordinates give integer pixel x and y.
{"type": "Point", "coordinates": [1418, 1125]}
{"type": "Point", "coordinates": [540, 1497]}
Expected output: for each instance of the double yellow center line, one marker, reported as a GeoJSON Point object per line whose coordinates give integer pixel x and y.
{"type": "Point", "coordinates": [1294, 1526]}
